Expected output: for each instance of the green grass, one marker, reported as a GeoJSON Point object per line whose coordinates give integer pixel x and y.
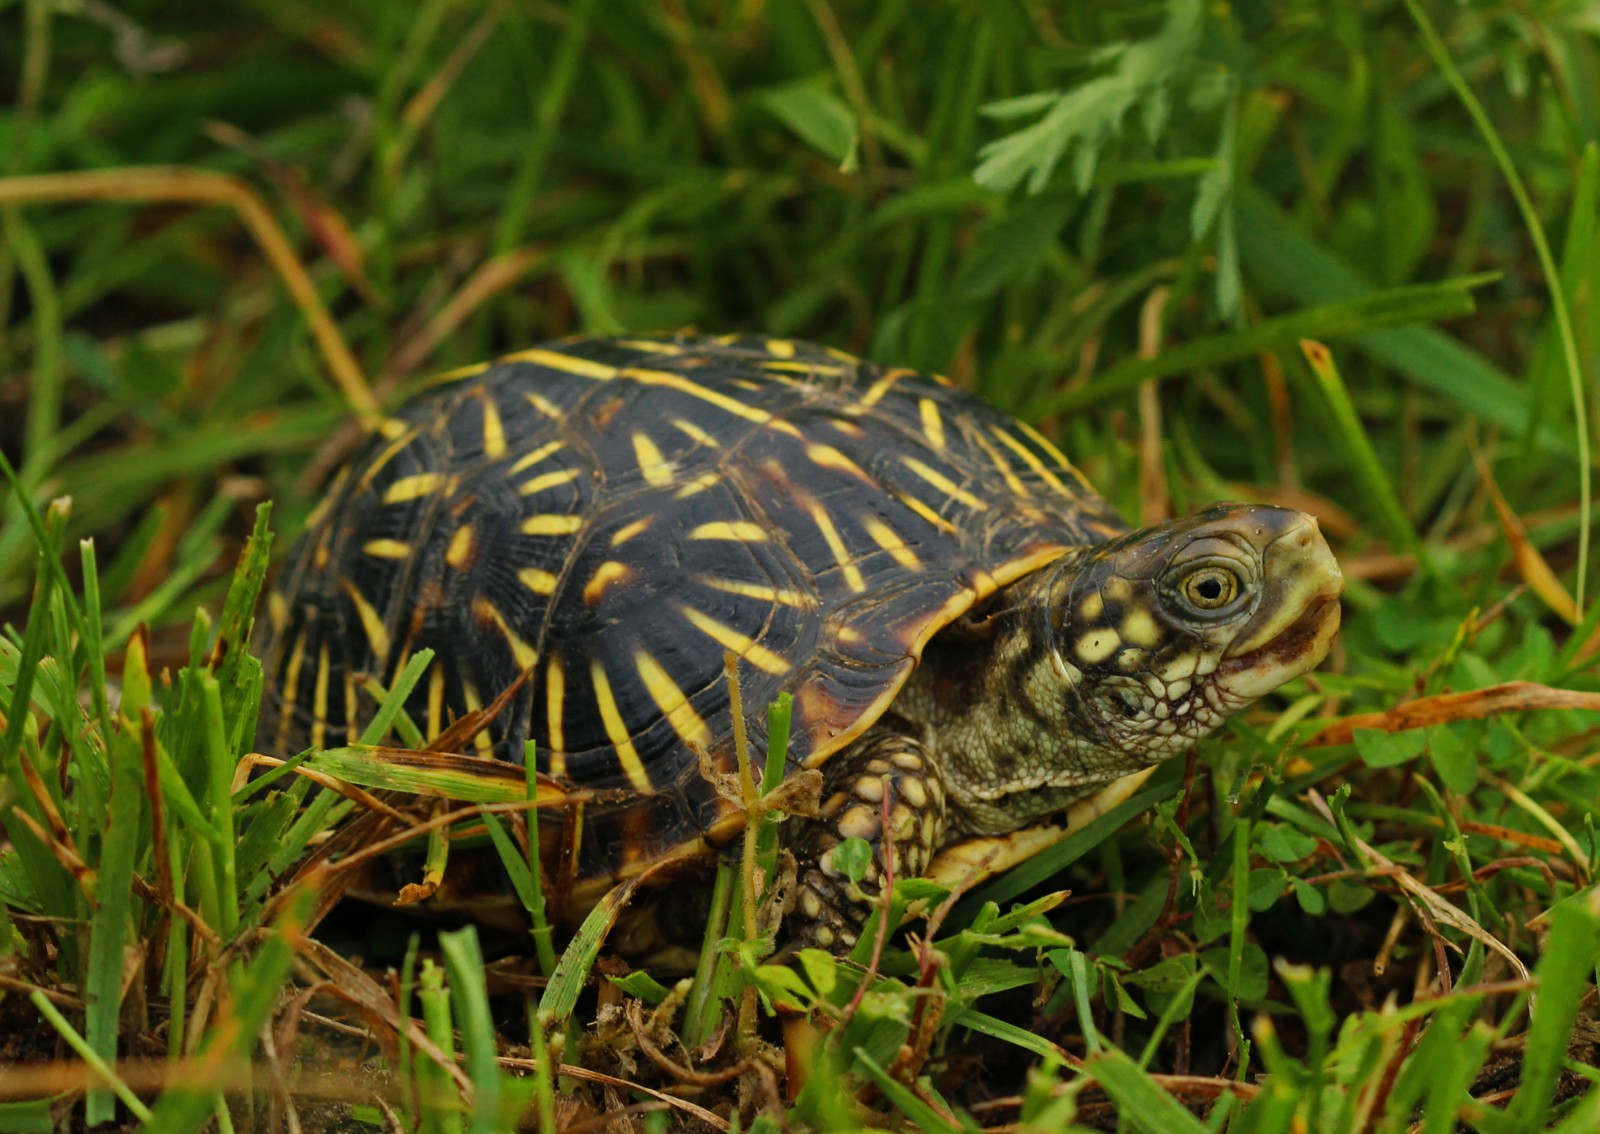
{"type": "Point", "coordinates": [225, 232]}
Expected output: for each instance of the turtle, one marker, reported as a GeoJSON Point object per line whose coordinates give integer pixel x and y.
{"type": "Point", "coordinates": [973, 639]}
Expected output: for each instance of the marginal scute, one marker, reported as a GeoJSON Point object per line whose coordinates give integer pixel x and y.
{"type": "Point", "coordinates": [610, 516]}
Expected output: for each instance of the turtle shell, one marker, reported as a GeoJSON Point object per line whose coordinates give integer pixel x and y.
{"type": "Point", "coordinates": [593, 523]}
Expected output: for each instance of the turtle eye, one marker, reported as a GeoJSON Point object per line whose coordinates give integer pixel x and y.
{"type": "Point", "coordinates": [1210, 587]}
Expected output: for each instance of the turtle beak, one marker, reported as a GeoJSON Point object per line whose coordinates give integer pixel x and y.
{"type": "Point", "coordinates": [1294, 625]}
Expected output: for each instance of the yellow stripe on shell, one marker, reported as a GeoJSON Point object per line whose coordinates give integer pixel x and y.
{"type": "Point", "coordinates": [371, 621]}
{"type": "Point", "coordinates": [486, 612]}
{"type": "Point", "coordinates": [444, 378]}
{"type": "Point", "coordinates": [605, 576]}
{"type": "Point", "coordinates": [291, 682]}
{"type": "Point", "coordinates": [672, 701]}
{"type": "Point", "coordinates": [494, 431]}
{"type": "Point", "coordinates": [657, 471]}
{"type": "Point", "coordinates": [892, 542]}
{"type": "Point", "coordinates": [390, 451]}
{"type": "Point", "coordinates": [435, 700]}
{"type": "Point", "coordinates": [830, 458]}
{"type": "Point", "coordinates": [742, 531]}
{"type": "Point", "coordinates": [555, 694]}
{"type": "Point", "coordinates": [481, 740]}
{"type": "Point", "coordinates": [551, 524]}
{"type": "Point", "coordinates": [543, 404]}
{"type": "Point", "coordinates": [413, 487]}
{"type": "Point", "coordinates": [943, 483]}
{"type": "Point", "coordinates": [628, 531]}
{"type": "Point", "coordinates": [566, 363]}
{"type": "Point", "coordinates": [735, 640]}
{"type": "Point", "coordinates": [537, 581]}
{"type": "Point", "coordinates": [386, 549]}
{"type": "Point", "coordinates": [695, 433]}
{"type": "Point", "coordinates": [698, 484]}
{"type": "Point", "coordinates": [617, 729]}
{"type": "Point", "coordinates": [878, 389]}
{"type": "Point", "coordinates": [459, 553]}
{"type": "Point", "coordinates": [1032, 460]}
{"type": "Point", "coordinates": [926, 512]}
{"type": "Point", "coordinates": [1056, 455]}
{"type": "Point", "coordinates": [932, 423]}
{"type": "Point", "coordinates": [651, 346]}
{"type": "Point", "coordinates": [782, 348]}
{"type": "Point", "coordinates": [319, 699]}
{"type": "Point", "coordinates": [762, 591]}
{"type": "Point", "coordinates": [1003, 466]}
{"type": "Point", "coordinates": [533, 458]}
{"type": "Point", "coordinates": [841, 554]}
{"type": "Point", "coordinates": [671, 381]}
{"type": "Point", "coordinates": [548, 480]}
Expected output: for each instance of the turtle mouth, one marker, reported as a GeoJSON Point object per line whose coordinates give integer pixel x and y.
{"type": "Point", "coordinates": [1299, 647]}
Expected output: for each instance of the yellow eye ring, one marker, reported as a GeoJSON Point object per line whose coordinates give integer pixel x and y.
{"type": "Point", "coordinates": [1210, 588]}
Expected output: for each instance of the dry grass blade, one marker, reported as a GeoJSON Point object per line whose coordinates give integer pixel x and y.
{"type": "Point", "coordinates": [1424, 898]}
{"type": "Point", "coordinates": [1531, 566]}
{"type": "Point", "coordinates": [1510, 697]}
{"type": "Point", "coordinates": [200, 187]}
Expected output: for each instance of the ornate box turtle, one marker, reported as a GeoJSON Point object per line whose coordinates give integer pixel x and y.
{"type": "Point", "coordinates": [964, 623]}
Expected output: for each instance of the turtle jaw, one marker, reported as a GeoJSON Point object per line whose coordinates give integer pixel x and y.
{"type": "Point", "coordinates": [1292, 630]}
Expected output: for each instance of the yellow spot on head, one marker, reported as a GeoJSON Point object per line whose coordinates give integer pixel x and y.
{"type": "Point", "coordinates": [744, 531]}
{"type": "Point", "coordinates": [550, 524]}
{"type": "Point", "coordinates": [1139, 628]}
{"type": "Point", "coordinates": [459, 553]}
{"type": "Point", "coordinates": [1096, 646]}
{"type": "Point", "coordinates": [607, 574]}
{"type": "Point", "coordinates": [386, 549]}
{"type": "Point", "coordinates": [1117, 589]}
{"type": "Point", "coordinates": [652, 464]}
{"type": "Point", "coordinates": [537, 581]}
{"type": "Point", "coordinates": [1092, 607]}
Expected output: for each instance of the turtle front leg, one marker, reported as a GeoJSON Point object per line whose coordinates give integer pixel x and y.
{"type": "Point", "coordinates": [884, 772]}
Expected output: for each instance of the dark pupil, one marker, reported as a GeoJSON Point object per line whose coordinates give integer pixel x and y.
{"type": "Point", "coordinates": [1210, 589]}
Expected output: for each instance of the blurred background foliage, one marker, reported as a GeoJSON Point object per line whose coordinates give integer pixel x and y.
{"type": "Point", "coordinates": [994, 190]}
{"type": "Point", "coordinates": [1117, 219]}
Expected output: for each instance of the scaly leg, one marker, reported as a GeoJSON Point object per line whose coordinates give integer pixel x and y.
{"type": "Point", "coordinates": [829, 908]}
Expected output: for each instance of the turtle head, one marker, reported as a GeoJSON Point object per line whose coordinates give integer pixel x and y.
{"type": "Point", "coordinates": [1165, 632]}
